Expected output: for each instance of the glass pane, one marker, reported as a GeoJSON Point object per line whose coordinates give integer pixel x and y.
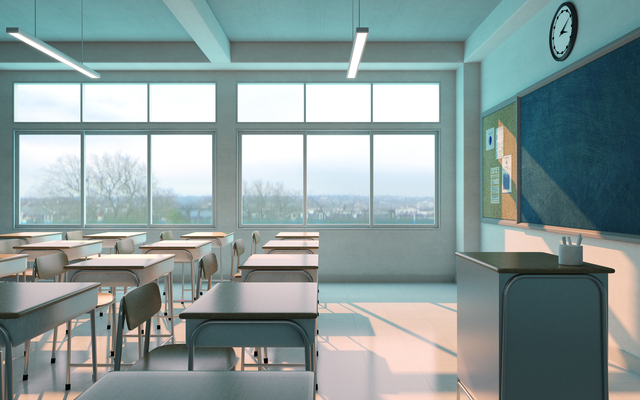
{"type": "Point", "coordinates": [339, 102]}
{"type": "Point", "coordinates": [406, 102]}
{"type": "Point", "coordinates": [338, 179]}
{"type": "Point", "coordinates": [170, 102]}
{"type": "Point", "coordinates": [114, 102]}
{"type": "Point", "coordinates": [270, 102]}
{"type": "Point", "coordinates": [272, 179]}
{"type": "Point", "coordinates": [182, 179]}
{"type": "Point", "coordinates": [49, 178]}
{"type": "Point", "coordinates": [404, 179]}
{"type": "Point", "coordinates": [116, 179]}
{"type": "Point", "coordinates": [46, 102]}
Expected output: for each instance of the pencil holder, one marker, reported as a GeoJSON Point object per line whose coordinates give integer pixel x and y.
{"type": "Point", "coordinates": [570, 255]}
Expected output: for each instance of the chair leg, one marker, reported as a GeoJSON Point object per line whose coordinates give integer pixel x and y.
{"type": "Point", "coordinates": [242, 360]}
{"type": "Point", "coordinates": [27, 346]}
{"type": "Point", "coordinates": [113, 323]}
{"type": "Point", "coordinates": [266, 357]}
{"type": "Point", "coordinates": [68, 384]}
{"type": "Point", "coordinates": [182, 284]}
{"type": "Point", "coordinates": [55, 343]}
{"type": "Point", "coordinates": [139, 342]}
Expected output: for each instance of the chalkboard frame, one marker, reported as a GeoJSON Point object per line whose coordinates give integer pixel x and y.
{"type": "Point", "coordinates": [623, 237]}
{"type": "Point", "coordinates": [516, 167]}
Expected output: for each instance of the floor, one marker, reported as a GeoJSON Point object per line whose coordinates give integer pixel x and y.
{"type": "Point", "coordinates": [377, 341]}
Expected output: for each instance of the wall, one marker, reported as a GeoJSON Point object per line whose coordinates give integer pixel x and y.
{"type": "Point", "coordinates": [359, 255]}
{"type": "Point", "coordinates": [523, 60]}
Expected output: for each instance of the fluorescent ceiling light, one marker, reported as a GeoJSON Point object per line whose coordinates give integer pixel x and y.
{"type": "Point", "coordinates": [50, 51]}
{"type": "Point", "coordinates": [356, 51]}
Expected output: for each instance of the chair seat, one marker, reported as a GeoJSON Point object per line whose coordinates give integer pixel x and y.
{"type": "Point", "coordinates": [104, 299]}
{"type": "Point", "coordinates": [176, 358]}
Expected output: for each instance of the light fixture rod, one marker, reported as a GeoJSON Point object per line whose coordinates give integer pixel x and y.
{"type": "Point", "coordinates": [356, 51]}
{"type": "Point", "coordinates": [52, 52]}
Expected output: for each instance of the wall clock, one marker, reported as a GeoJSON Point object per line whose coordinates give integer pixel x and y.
{"type": "Point", "coordinates": [564, 29]}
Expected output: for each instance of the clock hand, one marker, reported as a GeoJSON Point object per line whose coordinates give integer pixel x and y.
{"type": "Point", "coordinates": [562, 32]}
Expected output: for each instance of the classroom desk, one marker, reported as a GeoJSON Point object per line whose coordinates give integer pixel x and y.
{"type": "Point", "coordinates": [280, 263]}
{"type": "Point", "coordinates": [12, 264]}
{"type": "Point", "coordinates": [33, 237]}
{"type": "Point", "coordinates": [28, 310]}
{"type": "Point", "coordinates": [255, 315]}
{"type": "Point", "coordinates": [127, 270]}
{"type": "Point", "coordinates": [217, 385]}
{"type": "Point", "coordinates": [218, 239]}
{"type": "Point", "coordinates": [109, 239]}
{"type": "Point", "coordinates": [74, 249]}
{"type": "Point", "coordinates": [185, 251]}
{"type": "Point", "coordinates": [529, 328]}
{"type": "Point", "coordinates": [299, 235]}
{"type": "Point", "coordinates": [284, 246]}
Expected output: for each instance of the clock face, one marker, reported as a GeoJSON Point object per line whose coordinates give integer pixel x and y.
{"type": "Point", "coordinates": [564, 29]}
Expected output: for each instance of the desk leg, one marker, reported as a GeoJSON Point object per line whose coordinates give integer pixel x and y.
{"type": "Point", "coordinates": [94, 350]}
{"type": "Point", "coordinates": [8, 387]}
{"type": "Point", "coordinates": [169, 292]}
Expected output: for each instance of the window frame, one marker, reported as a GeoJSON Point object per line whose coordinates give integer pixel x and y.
{"type": "Point", "coordinates": [370, 132]}
{"type": "Point", "coordinates": [83, 133]}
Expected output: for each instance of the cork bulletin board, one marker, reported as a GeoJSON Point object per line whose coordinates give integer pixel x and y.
{"type": "Point", "coordinates": [500, 162]}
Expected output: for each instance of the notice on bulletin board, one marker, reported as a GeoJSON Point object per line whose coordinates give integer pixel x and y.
{"type": "Point", "coordinates": [506, 174]}
{"type": "Point", "coordinates": [500, 142]}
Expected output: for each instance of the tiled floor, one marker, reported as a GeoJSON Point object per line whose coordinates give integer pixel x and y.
{"type": "Point", "coordinates": [377, 341]}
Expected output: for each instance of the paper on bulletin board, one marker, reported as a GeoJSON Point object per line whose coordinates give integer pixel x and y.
{"type": "Point", "coordinates": [490, 139]}
{"type": "Point", "coordinates": [495, 199]}
{"type": "Point", "coordinates": [506, 174]}
{"type": "Point", "coordinates": [499, 142]}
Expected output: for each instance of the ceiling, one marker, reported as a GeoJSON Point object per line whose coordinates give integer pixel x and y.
{"type": "Point", "coordinates": [235, 34]}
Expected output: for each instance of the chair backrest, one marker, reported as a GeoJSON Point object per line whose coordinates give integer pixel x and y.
{"type": "Point", "coordinates": [75, 235]}
{"type": "Point", "coordinates": [208, 267]}
{"type": "Point", "coordinates": [255, 239]}
{"type": "Point", "coordinates": [238, 250]}
{"type": "Point", "coordinates": [51, 265]}
{"type": "Point", "coordinates": [166, 235]}
{"type": "Point", "coordinates": [125, 246]}
{"type": "Point", "coordinates": [6, 246]}
{"type": "Point", "coordinates": [136, 307]}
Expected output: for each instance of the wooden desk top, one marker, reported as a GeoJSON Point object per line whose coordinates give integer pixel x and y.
{"type": "Point", "coordinates": [531, 263]}
{"type": "Point", "coordinates": [281, 261]}
{"type": "Point", "coordinates": [9, 257]}
{"type": "Point", "coordinates": [25, 235]}
{"type": "Point", "coordinates": [163, 385]}
{"type": "Point", "coordinates": [18, 299]}
{"type": "Point", "coordinates": [298, 235]}
{"type": "Point", "coordinates": [291, 244]}
{"type": "Point", "coordinates": [206, 235]}
{"type": "Point", "coordinates": [113, 235]}
{"type": "Point", "coordinates": [57, 244]}
{"type": "Point", "coordinates": [121, 261]}
{"type": "Point", "coordinates": [175, 245]}
{"type": "Point", "coordinates": [249, 301]}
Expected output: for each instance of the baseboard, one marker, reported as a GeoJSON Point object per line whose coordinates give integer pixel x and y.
{"type": "Point", "coordinates": [625, 360]}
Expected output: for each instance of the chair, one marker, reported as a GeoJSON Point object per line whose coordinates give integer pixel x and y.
{"type": "Point", "coordinates": [238, 250]}
{"type": "Point", "coordinates": [52, 266]}
{"type": "Point", "coordinates": [166, 235]}
{"type": "Point", "coordinates": [142, 304]}
{"type": "Point", "coordinates": [6, 247]}
{"type": "Point", "coordinates": [125, 246]}
{"type": "Point", "coordinates": [255, 239]}
{"type": "Point", "coordinates": [74, 235]}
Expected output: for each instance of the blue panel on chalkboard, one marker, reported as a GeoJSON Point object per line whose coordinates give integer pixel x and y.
{"type": "Point", "coordinates": [580, 147]}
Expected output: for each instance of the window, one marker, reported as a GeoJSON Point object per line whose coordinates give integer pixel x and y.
{"type": "Point", "coordinates": [114, 102]}
{"type": "Point", "coordinates": [350, 178]}
{"type": "Point", "coordinates": [49, 180]}
{"type": "Point", "coordinates": [265, 102]}
{"type": "Point", "coordinates": [46, 102]}
{"type": "Point", "coordinates": [172, 102]}
{"type": "Point", "coordinates": [339, 102]}
{"type": "Point", "coordinates": [272, 178]}
{"type": "Point", "coordinates": [116, 178]}
{"type": "Point", "coordinates": [404, 179]}
{"type": "Point", "coordinates": [182, 179]}
{"type": "Point", "coordinates": [406, 102]}
{"type": "Point", "coordinates": [338, 179]}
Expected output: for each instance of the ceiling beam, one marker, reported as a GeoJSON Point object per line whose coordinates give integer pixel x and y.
{"type": "Point", "coordinates": [199, 21]}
